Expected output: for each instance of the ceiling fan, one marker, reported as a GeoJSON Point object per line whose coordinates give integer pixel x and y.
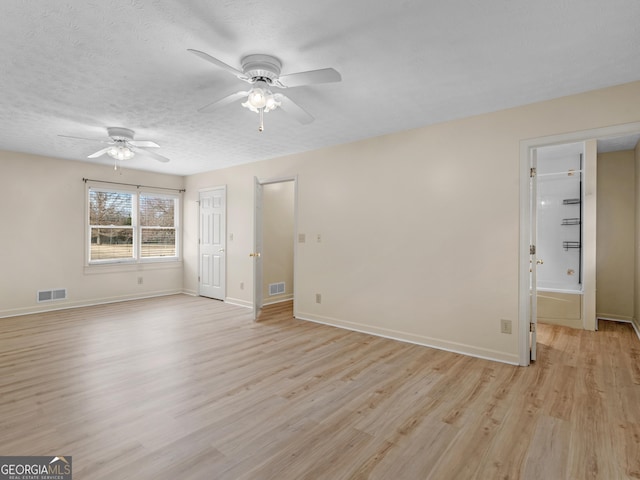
{"type": "Point", "coordinates": [263, 72]}
{"type": "Point", "coordinates": [122, 146]}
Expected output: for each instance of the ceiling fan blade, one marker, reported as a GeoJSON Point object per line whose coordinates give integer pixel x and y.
{"type": "Point", "coordinates": [144, 143]}
{"type": "Point", "coordinates": [149, 153]}
{"type": "Point", "coordinates": [324, 75]}
{"type": "Point", "coordinates": [100, 140]}
{"type": "Point", "coordinates": [295, 110]}
{"type": "Point", "coordinates": [219, 63]}
{"type": "Point", "coordinates": [223, 101]}
{"type": "Point", "coordinates": [99, 153]}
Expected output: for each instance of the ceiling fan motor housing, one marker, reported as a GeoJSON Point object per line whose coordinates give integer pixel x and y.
{"type": "Point", "coordinates": [119, 133]}
{"type": "Point", "coordinates": [261, 67]}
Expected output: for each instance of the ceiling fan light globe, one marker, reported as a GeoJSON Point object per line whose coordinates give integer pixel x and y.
{"type": "Point", "coordinates": [271, 104]}
{"type": "Point", "coordinates": [257, 98]}
{"type": "Point", "coordinates": [120, 152]}
{"type": "Point", "coordinates": [250, 107]}
{"type": "Point", "coordinates": [127, 153]}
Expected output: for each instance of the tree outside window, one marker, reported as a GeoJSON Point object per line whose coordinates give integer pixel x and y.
{"type": "Point", "coordinates": [131, 226]}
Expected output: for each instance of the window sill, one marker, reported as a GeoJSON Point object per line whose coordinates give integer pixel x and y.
{"type": "Point", "coordinates": [155, 264]}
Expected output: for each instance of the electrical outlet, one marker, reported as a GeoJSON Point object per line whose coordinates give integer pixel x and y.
{"type": "Point", "coordinates": [505, 326]}
{"type": "Point", "coordinates": [319, 238]}
{"type": "Point", "coordinates": [241, 285]}
{"type": "Point", "coordinates": [318, 298]}
{"type": "Point", "coordinates": [302, 238]}
{"type": "Point", "coordinates": [140, 280]}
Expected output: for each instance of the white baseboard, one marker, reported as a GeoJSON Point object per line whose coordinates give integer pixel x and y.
{"type": "Point", "coordinates": [288, 298]}
{"type": "Point", "coordinates": [231, 301]}
{"type": "Point", "coordinates": [636, 328]}
{"type": "Point", "coordinates": [614, 318]}
{"type": "Point", "coordinates": [63, 305]}
{"type": "Point", "coordinates": [469, 350]}
{"type": "Point", "coordinates": [238, 302]}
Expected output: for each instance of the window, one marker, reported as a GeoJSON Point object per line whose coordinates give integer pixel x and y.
{"type": "Point", "coordinates": [157, 226]}
{"type": "Point", "coordinates": [129, 226]}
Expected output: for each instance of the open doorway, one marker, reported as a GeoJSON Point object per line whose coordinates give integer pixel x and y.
{"type": "Point", "coordinates": [274, 251]}
{"type": "Point", "coordinates": [595, 141]}
{"type": "Point", "coordinates": [616, 229]}
{"type": "Point", "coordinates": [565, 239]}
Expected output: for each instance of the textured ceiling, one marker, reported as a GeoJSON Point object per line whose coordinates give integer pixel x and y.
{"type": "Point", "coordinates": [76, 67]}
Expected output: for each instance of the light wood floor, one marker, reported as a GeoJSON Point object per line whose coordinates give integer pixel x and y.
{"type": "Point", "coordinates": [189, 388]}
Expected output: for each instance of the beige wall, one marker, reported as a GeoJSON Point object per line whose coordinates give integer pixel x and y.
{"type": "Point", "coordinates": [616, 233]}
{"type": "Point", "coordinates": [43, 231]}
{"type": "Point", "coordinates": [277, 243]}
{"type": "Point", "coordinates": [420, 228]}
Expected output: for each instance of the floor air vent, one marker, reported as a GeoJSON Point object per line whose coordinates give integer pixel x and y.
{"type": "Point", "coordinates": [276, 288]}
{"type": "Point", "coordinates": [50, 295]}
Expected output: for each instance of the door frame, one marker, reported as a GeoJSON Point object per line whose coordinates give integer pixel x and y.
{"type": "Point", "coordinates": [257, 239]}
{"type": "Point", "coordinates": [223, 188]}
{"type": "Point", "coordinates": [533, 255]}
{"type": "Point", "coordinates": [526, 147]}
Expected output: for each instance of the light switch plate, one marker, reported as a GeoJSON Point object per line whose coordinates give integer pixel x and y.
{"type": "Point", "coordinates": [505, 326]}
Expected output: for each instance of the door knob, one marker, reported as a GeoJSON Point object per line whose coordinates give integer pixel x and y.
{"type": "Point", "coordinates": [221, 250]}
{"type": "Point", "coordinates": [254, 254]}
{"type": "Point", "coordinates": [540, 262]}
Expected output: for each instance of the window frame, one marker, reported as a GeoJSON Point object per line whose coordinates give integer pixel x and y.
{"type": "Point", "coordinates": [136, 226]}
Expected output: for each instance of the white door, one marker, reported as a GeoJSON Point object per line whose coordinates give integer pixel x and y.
{"type": "Point", "coordinates": [212, 276]}
{"type": "Point", "coordinates": [257, 249]}
{"type": "Point", "coordinates": [533, 292]}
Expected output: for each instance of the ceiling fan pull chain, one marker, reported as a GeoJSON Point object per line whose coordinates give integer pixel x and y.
{"type": "Point", "coordinates": [261, 127]}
